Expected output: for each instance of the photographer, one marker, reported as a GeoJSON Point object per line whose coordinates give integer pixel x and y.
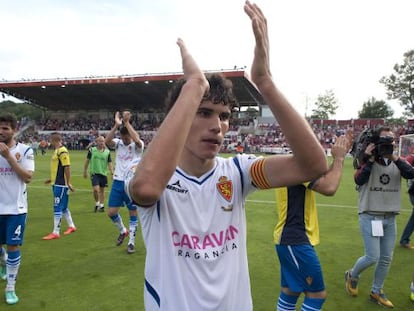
{"type": "Point", "coordinates": [378, 181]}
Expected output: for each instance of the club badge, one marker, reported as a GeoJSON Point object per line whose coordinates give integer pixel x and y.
{"type": "Point", "coordinates": [225, 188]}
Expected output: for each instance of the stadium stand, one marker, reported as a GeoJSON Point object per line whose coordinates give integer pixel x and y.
{"type": "Point", "coordinates": [143, 92]}
{"type": "Point", "coordinates": [82, 108]}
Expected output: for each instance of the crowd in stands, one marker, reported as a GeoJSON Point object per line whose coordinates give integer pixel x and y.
{"type": "Point", "coordinates": [250, 134]}
{"type": "Point", "coordinates": [89, 124]}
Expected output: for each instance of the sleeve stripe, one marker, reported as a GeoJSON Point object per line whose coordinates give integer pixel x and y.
{"type": "Point", "coordinates": [258, 175]}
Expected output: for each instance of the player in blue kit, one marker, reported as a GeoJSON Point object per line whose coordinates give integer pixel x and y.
{"type": "Point", "coordinates": [297, 232]}
{"type": "Point", "coordinates": [127, 148]}
{"type": "Point", "coordinates": [16, 170]}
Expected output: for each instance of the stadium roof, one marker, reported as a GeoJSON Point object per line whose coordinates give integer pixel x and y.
{"type": "Point", "coordinates": [144, 92]}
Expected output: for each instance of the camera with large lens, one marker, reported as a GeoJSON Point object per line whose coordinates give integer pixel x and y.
{"type": "Point", "coordinates": [384, 146]}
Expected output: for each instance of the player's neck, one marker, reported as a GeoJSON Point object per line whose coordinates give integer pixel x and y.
{"type": "Point", "coordinates": [196, 167]}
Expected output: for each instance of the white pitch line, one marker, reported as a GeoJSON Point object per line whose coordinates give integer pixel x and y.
{"type": "Point", "coordinates": [322, 205]}
{"type": "Point", "coordinates": [405, 210]}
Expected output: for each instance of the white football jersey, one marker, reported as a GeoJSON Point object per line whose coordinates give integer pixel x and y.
{"type": "Point", "coordinates": [13, 191]}
{"type": "Point", "coordinates": [124, 154]}
{"type": "Point", "coordinates": [195, 238]}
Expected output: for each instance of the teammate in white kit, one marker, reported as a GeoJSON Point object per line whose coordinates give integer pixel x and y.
{"type": "Point", "coordinates": [127, 148]}
{"type": "Point", "coordinates": [16, 170]}
{"type": "Point", "coordinates": [191, 203]}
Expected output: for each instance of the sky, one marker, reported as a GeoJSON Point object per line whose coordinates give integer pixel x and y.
{"type": "Point", "coordinates": [315, 45]}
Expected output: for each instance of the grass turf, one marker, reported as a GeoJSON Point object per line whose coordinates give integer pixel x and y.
{"type": "Point", "coordinates": [86, 271]}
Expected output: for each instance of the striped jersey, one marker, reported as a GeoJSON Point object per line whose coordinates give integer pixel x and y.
{"type": "Point", "coordinates": [60, 159]}
{"type": "Point", "coordinates": [298, 216]}
{"type": "Point", "coordinates": [195, 238]}
{"type": "Point", "coordinates": [13, 191]}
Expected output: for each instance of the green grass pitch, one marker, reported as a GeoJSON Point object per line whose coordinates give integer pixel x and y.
{"type": "Point", "coordinates": [86, 271]}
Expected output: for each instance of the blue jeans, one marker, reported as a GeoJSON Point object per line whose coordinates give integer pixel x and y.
{"type": "Point", "coordinates": [378, 250]}
{"type": "Point", "coordinates": [409, 227]}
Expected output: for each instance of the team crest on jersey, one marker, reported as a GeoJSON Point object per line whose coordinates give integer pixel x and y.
{"type": "Point", "coordinates": [18, 156]}
{"type": "Point", "coordinates": [309, 280]}
{"type": "Point", "coordinates": [131, 172]}
{"type": "Point", "coordinates": [225, 188]}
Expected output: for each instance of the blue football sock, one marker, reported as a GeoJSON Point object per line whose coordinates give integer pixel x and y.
{"type": "Point", "coordinates": [286, 302]}
{"type": "Point", "coordinates": [312, 304]}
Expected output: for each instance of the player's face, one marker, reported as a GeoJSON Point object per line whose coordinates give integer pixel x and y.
{"type": "Point", "coordinates": [126, 139]}
{"type": "Point", "coordinates": [100, 141]}
{"type": "Point", "coordinates": [207, 131]}
{"type": "Point", "coordinates": [6, 132]}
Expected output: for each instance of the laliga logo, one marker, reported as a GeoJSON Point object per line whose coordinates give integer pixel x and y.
{"type": "Point", "coordinates": [385, 179]}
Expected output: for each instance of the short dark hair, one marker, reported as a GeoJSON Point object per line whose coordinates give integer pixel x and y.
{"type": "Point", "coordinates": [123, 130]}
{"type": "Point", "coordinates": [383, 128]}
{"type": "Point", "coordinates": [376, 133]}
{"type": "Point", "coordinates": [9, 118]}
{"type": "Point", "coordinates": [221, 91]}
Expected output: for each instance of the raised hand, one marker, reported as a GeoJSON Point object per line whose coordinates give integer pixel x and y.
{"type": "Point", "coordinates": [260, 70]}
{"type": "Point", "coordinates": [190, 67]}
{"type": "Point", "coordinates": [350, 138]}
{"type": "Point", "coordinates": [118, 120]}
{"type": "Point", "coordinates": [341, 147]}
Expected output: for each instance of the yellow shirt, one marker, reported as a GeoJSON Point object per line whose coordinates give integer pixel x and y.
{"type": "Point", "coordinates": [298, 217]}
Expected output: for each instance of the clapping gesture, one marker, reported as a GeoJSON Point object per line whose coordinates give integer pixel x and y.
{"type": "Point", "coordinates": [191, 69]}
{"type": "Point", "coordinates": [118, 120]}
{"type": "Point", "coordinates": [260, 70]}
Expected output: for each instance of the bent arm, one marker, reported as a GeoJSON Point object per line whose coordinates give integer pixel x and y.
{"type": "Point", "coordinates": [153, 172]}
{"type": "Point", "coordinates": [328, 183]}
{"type": "Point", "coordinates": [24, 174]}
{"type": "Point", "coordinates": [308, 160]}
{"type": "Point", "coordinates": [134, 134]}
{"type": "Point", "coordinates": [67, 174]}
{"type": "Point", "coordinates": [406, 170]}
{"type": "Point", "coordinates": [110, 136]}
{"type": "Point", "coordinates": [362, 174]}
{"type": "Point", "coordinates": [308, 157]}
